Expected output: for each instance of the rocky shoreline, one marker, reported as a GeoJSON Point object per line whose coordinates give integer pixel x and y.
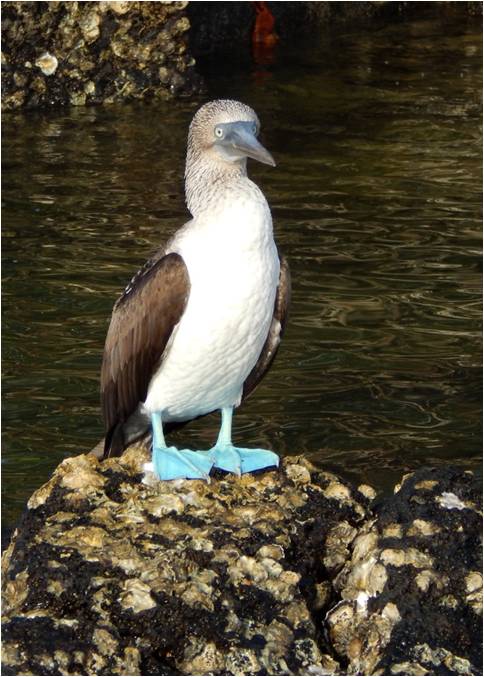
{"type": "Point", "coordinates": [290, 571]}
{"type": "Point", "coordinates": [83, 53]}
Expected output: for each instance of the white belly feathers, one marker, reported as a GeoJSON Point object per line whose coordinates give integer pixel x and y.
{"type": "Point", "coordinates": [233, 266]}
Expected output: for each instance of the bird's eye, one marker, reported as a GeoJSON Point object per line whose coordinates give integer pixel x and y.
{"type": "Point", "coordinates": [219, 132]}
{"type": "Point", "coordinates": [254, 129]}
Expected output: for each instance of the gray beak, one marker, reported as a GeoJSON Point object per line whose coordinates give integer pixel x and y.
{"type": "Point", "coordinates": [239, 141]}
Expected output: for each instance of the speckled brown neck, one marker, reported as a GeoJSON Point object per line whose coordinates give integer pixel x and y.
{"type": "Point", "coordinates": [208, 178]}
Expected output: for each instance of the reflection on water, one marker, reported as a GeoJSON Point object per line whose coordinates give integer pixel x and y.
{"type": "Point", "coordinates": [376, 200]}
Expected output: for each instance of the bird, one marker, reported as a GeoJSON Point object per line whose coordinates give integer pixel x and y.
{"type": "Point", "coordinates": [200, 323]}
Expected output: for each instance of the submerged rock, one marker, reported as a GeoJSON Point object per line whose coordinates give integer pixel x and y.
{"type": "Point", "coordinates": [287, 571]}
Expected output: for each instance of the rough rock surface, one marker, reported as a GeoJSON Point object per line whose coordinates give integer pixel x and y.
{"type": "Point", "coordinates": [412, 592]}
{"type": "Point", "coordinates": [289, 571]}
{"type": "Point", "coordinates": [91, 52]}
{"type": "Point", "coordinates": [107, 575]}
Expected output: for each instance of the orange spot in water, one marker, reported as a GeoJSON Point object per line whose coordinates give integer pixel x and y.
{"type": "Point", "coordinates": [264, 25]}
{"type": "Point", "coordinates": [264, 36]}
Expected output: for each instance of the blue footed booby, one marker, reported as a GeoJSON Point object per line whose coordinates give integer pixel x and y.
{"type": "Point", "coordinates": [200, 323]}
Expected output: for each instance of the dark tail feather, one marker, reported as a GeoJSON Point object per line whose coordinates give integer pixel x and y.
{"type": "Point", "coordinates": [114, 444]}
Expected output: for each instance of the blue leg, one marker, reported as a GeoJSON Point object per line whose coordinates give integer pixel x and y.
{"type": "Point", "coordinates": [235, 459]}
{"type": "Point", "coordinates": [170, 463]}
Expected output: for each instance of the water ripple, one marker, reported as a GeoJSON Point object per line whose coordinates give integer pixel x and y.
{"type": "Point", "coordinates": [377, 203]}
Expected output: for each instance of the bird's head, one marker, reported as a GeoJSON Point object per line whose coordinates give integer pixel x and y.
{"type": "Point", "coordinates": [225, 131]}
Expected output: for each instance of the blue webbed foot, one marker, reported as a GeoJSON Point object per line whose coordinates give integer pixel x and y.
{"type": "Point", "coordinates": [238, 460]}
{"type": "Point", "coordinates": [170, 463]}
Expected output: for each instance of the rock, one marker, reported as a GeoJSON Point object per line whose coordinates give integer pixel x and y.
{"type": "Point", "coordinates": [288, 571]}
{"type": "Point", "coordinates": [47, 64]}
{"type": "Point", "coordinates": [178, 577]}
{"type": "Point", "coordinates": [412, 591]}
{"type": "Point", "coordinates": [101, 52]}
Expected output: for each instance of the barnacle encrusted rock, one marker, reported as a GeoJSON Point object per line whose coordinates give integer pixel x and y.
{"type": "Point", "coordinates": [289, 571]}
{"type": "Point", "coordinates": [110, 575]}
{"type": "Point", "coordinates": [94, 52]}
{"type": "Point", "coordinates": [412, 592]}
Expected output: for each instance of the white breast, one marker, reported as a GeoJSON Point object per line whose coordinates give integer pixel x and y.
{"type": "Point", "coordinates": [233, 266]}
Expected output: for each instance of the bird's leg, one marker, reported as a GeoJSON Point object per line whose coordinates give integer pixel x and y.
{"type": "Point", "coordinates": [170, 463]}
{"type": "Point", "coordinates": [235, 459]}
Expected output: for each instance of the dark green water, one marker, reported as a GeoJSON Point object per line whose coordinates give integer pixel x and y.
{"type": "Point", "coordinates": [376, 201]}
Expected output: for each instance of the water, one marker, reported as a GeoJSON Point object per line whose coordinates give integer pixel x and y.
{"type": "Point", "coordinates": [377, 203]}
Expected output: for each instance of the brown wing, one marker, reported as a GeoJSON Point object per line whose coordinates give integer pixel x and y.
{"type": "Point", "coordinates": [141, 325]}
{"type": "Point", "coordinates": [276, 330]}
